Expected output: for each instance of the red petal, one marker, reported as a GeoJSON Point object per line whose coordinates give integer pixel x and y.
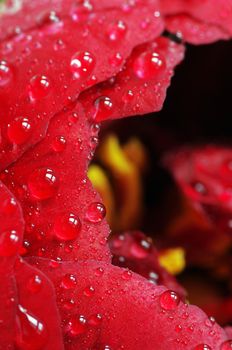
{"type": "Point", "coordinates": [110, 306]}
{"type": "Point", "coordinates": [135, 251]}
{"type": "Point", "coordinates": [194, 31]}
{"type": "Point", "coordinates": [140, 87]}
{"type": "Point", "coordinates": [41, 69]}
{"type": "Point", "coordinates": [216, 12]}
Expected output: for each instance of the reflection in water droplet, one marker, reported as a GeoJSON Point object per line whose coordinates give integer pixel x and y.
{"type": "Point", "coordinates": [43, 183]}
{"type": "Point", "coordinates": [67, 227]}
{"type": "Point", "coordinates": [95, 212]}
{"type": "Point", "coordinates": [169, 300]}
{"type": "Point", "coordinates": [82, 64]}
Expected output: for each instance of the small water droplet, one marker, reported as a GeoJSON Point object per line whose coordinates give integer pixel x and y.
{"type": "Point", "coordinates": [103, 108]}
{"type": "Point", "coordinates": [149, 65]}
{"type": "Point", "coordinates": [99, 271]}
{"type": "Point", "coordinates": [95, 320]}
{"type": "Point", "coordinates": [19, 130]}
{"type": "Point", "coordinates": [169, 300]}
{"type": "Point", "coordinates": [9, 243]}
{"type": "Point", "coordinates": [89, 291]}
{"type": "Point", "coordinates": [9, 206]}
{"type": "Point", "coordinates": [39, 87]}
{"type": "Point", "coordinates": [43, 183]}
{"type": "Point", "coordinates": [59, 144]}
{"type": "Point", "coordinates": [126, 275]}
{"type": "Point", "coordinates": [117, 31]}
{"type": "Point", "coordinates": [82, 64]}
{"type": "Point", "coordinates": [77, 325]}
{"type": "Point", "coordinates": [67, 227]}
{"type": "Point", "coordinates": [69, 281]}
{"type": "Point", "coordinates": [34, 284]}
{"type": "Point", "coordinates": [95, 212]}
{"type": "Point", "coordinates": [6, 74]}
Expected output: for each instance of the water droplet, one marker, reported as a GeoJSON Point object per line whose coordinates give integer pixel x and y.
{"type": "Point", "coordinates": [43, 183]}
{"type": "Point", "coordinates": [69, 281]}
{"type": "Point", "coordinates": [149, 65]}
{"type": "Point", "coordinates": [67, 227]}
{"type": "Point", "coordinates": [141, 249]}
{"type": "Point", "coordinates": [103, 108]}
{"type": "Point", "coordinates": [89, 291]}
{"type": "Point", "coordinates": [19, 131]}
{"type": "Point", "coordinates": [39, 87]}
{"type": "Point", "coordinates": [199, 188]}
{"type": "Point", "coordinates": [6, 74]}
{"type": "Point", "coordinates": [202, 347]}
{"type": "Point", "coordinates": [227, 345]}
{"type": "Point", "coordinates": [82, 64]}
{"type": "Point", "coordinates": [117, 31]}
{"type": "Point", "coordinates": [77, 325]}
{"type": "Point", "coordinates": [34, 284]}
{"type": "Point", "coordinates": [116, 60]}
{"type": "Point", "coordinates": [95, 212]}
{"type": "Point", "coordinates": [9, 206]}
{"type": "Point", "coordinates": [59, 144]}
{"type": "Point", "coordinates": [126, 275]}
{"type": "Point", "coordinates": [99, 271]}
{"type": "Point", "coordinates": [169, 300]}
{"type": "Point", "coordinates": [9, 243]}
{"type": "Point", "coordinates": [31, 333]}
{"type": "Point", "coordinates": [52, 22]}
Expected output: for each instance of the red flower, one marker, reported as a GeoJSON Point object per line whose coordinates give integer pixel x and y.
{"type": "Point", "coordinates": [48, 134]}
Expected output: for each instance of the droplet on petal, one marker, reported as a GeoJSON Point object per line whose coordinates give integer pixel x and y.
{"type": "Point", "coordinates": [6, 74]}
{"type": "Point", "coordinates": [149, 65]}
{"type": "Point", "coordinates": [103, 108]}
{"type": "Point", "coordinates": [82, 64]}
{"type": "Point", "coordinates": [202, 347]}
{"type": "Point", "coordinates": [34, 284]}
{"type": "Point", "coordinates": [95, 212]}
{"type": "Point", "coordinates": [117, 31]}
{"type": "Point", "coordinates": [39, 87]}
{"type": "Point", "coordinates": [59, 144]}
{"type": "Point", "coordinates": [169, 300]}
{"type": "Point", "coordinates": [43, 183]}
{"type": "Point", "coordinates": [19, 131]}
{"type": "Point", "coordinates": [227, 345]}
{"type": "Point", "coordinates": [9, 243]}
{"type": "Point", "coordinates": [69, 281]}
{"type": "Point", "coordinates": [77, 325]}
{"type": "Point", "coordinates": [67, 227]}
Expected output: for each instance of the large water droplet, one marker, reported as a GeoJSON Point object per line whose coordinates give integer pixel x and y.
{"type": "Point", "coordinates": [67, 227]}
{"type": "Point", "coordinates": [9, 243]}
{"type": "Point", "coordinates": [149, 65]}
{"type": "Point", "coordinates": [59, 144]}
{"type": "Point", "coordinates": [39, 87]}
{"type": "Point", "coordinates": [19, 131]}
{"type": "Point", "coordinates": [6, 74]}
{"type": "Point", "coordinates": [77, 325]}
{"type": "Point", "coordinates": [169, 300]}
{"type": "Point", "coordinates": [227, 345]}
{"type": "Point", "coordinates": [82, 64]}
{"type": "Point", "coordinates": [103, 108]}
{"type": "Point", "coordinates": [31, 333]}
{"type": "Point", "coordinates": [43, 183]}
{"type": "Point", "coordinates": [95, 212]}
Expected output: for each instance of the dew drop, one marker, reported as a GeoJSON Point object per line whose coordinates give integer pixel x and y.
{"type": "Point", "coordinates": [141, 249]}
{"type": "Point", "coordinates": [169, 300]}
{"type": "Point", "coordinates": [127, 275]}
{"type": "Point", "coordinates": [77, 325]}
{"type": "Point", "coordinates": [117, 31]}
{"type": "Point", "coordinates": [95, 212]}
{"type": "Point", "coordinates": [34, 284]}
{"type": "Point", "coordinates": [149, 65]}
{"type": "Point", "coordinates": [6, 74]}
{"type": "Point", "coordinates": [19, 131]}
{"type": "Point", "coordinates": [59, 144]}
{"type": "Point", "coordinates": [31, 333]}
{"type": "Point", "coordinates": [202, 347]}
{"type": "Point", "coordinates": [95, 320]}
{"type": "Point", "coordinates": [82, 64]}
{"type": "Point", "coordinates": [99, 272]}
{"type": "Point", "coordinates": [89, 291]}
{"type": "Point", "coordinates": [103, 108]}
{"type": "Point", "coordinates": [39, 87]}
{"type": "Point", "coordinates": [67, 227]}
{"type": "Point", "coordinates": [69, 281]}
{"type": "Point", "coordinates": [9, 206]}
{"type": "Point", "coordinates": [9, 243]}
{"type": "Point", "coordinates": [43, 183]}
{"type": "Point", "coordinates": [116, 60]}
